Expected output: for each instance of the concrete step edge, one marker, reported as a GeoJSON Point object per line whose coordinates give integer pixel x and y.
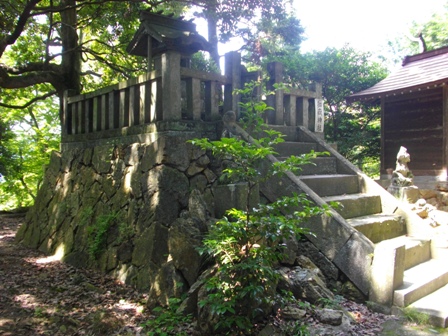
{"type": "Point", "coordinates": [373, 219]}
{"type": "Point", "coordinates": [379, 226]}
{"type": "Point", "coordinates": [327, 176]}
{"type": "Point", "coordinates": [435, 306]}
{"type": "Point", "coordinates": [348, 197]}
{"type": "Point", "coordinates": [408, 241]}
{"type": "Point", "coordinates": [420, 281]}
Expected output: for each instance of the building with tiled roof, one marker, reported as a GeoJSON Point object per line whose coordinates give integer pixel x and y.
{"type": "Point", "coordinates": [414, 114]}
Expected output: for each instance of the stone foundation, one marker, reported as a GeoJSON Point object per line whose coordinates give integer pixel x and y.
{"type": "Point", "coordinates": [136, 211]}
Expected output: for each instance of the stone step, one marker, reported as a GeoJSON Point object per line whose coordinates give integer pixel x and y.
{"type": "Point", "coordinates": [439, 247]}
{"type": "Point", "coordinates": [378, 227]}
{"type": "Point", "coordinates": [332, 184]}
{"type": "Point", "coordinates": [418, 250]}
{"type": "Point", "coordinates": [356, 205]}
{"type": "Point", "coordinates": [421, 280]}
{"type": "Point", "coordinates": [436, 306]}
{"type": "Point", "coordinates": [289, 148]}
{"type": "Point", "coordinates": [290, 132]}
{"type": "Point", "coordinates": [319, 165]}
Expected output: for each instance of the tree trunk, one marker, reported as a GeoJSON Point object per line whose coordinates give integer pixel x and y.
{"type": "Point", "coordinates": [212, 23]}
{"type": "Point", "coordinates": [71, 54]}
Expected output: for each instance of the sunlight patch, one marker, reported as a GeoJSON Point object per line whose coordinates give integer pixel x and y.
{"type": "Point", "coordinates": [57, 256]}
{"type": "Point", "coordinates": [7, 236]}
{"type": "Point", "coordinates": [26, 300]}
{"type": "Point", "coordinates": [4, 321]}
{"type": "Point", "coordinates": [126, 305]}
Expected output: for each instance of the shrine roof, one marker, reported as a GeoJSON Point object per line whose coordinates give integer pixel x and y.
{"type": "Point", "coordinates": [166, 33]}
{"type": "Point", "coordinates": [418, 72]}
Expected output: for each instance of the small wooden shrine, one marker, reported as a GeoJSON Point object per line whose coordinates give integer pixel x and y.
{"type": "Point", "coordinates": [414, 114]}
{"type": "Point", "coordinates": [159, 34]}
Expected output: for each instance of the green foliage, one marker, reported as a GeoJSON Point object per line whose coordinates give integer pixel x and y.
{"type": "Point", "coordinates": [354, 128]}
{"type": "Point", "coordinates": [413, 315]}
{"type": "Point", "coordinates": [334, 303]}
{"type": "Point", "coordinates": [294, 328]}
{"type": "Point", "coordinates": [200, 62]}
{"type": "Point", "coordinates": [434, 32]}
{"type": "Point", "coordinates": [97, 234]}
{"type": "Point", "coordinates": [281, 35]}
{"type": "Point", "coordinates": [247, 244]}
{"type": "Point", "coordinates": [167, 320]}
{"type": "Point", "coordinates": [125, 231]}
{"type": "Point", "coordinates": [27, 138]}
{"type": "Point", "coordinates": [98, 227]}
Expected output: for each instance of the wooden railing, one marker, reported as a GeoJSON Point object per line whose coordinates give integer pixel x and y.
{"type": "Point", "coordinates": [294, 106]}
{"type": "Point", "coordinates": [175, 93]}
{"type": "Point", "coordinates": [151, 97]}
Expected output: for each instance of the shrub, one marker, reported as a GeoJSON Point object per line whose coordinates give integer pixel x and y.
{"type": "Point", "coordinates": [247, 244]}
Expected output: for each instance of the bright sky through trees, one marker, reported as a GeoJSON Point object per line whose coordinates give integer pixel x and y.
{"type": "Point", "coordinates": [365, 25]}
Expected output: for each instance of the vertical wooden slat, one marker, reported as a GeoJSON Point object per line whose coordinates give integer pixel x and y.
{"type": "Point", "coordinates": [171, 86]}
{"type": "Point", "coordinates": [123, 109]}
{"type": "Point", "coordinates": [211, 101]}
{"type": "Point", "coordinates": [88, 116]}
{"type": "Point", "coordinates": [193, 99]}
{"type": "Point", "coordinates": [382, 138]}
{"type": "Point", "coordinates": [74, 110]}
{"type": "Point", "coordinates": [111, 110]}
{"type": "Point", "coordinates": [65, 117]}
{"type": "Point", "coordinates": [142, 104]}
{"type": "Point", "coordinates": [96, 114]}
{"type": "Point", "coordinates": [302, 112]}
{"type": "Point", "coordinates": [445, 131]}
{"type": "Point", "coordinates": [276, 117]}
{"type": "Point", "coordinates": [156, 109]}
{"type": "Point", "coordinates": [103, 111]}
{"type": "Point", "coordinates": [133, 118]}
{"type": "Point", "coordinates": [79, 118]}
{"type": "Point", "coordinates": [233, 72]}
{"type": "Point", "coordinates": [290, 110]}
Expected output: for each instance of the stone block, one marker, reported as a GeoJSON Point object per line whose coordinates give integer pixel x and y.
{"type": "Point", "coordinates": [184, 238]}
{"type": "Point", "coordinates": [231, 196]}
{"type": "Point", "coordinates": [387, 272]}
{"type": "Point", "coordinates": [151, 246]}
{"type": "Point", "coordinates": [405, 194]}
{"type": "Point", "coordinates": [354, 259]}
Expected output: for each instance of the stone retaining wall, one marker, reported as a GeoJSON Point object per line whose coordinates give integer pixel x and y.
{"type": "Point", "coordinates": [134, 210]}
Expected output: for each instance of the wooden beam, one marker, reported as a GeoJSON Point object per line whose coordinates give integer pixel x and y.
{"type": "Point", "coordinates": [445, 129]}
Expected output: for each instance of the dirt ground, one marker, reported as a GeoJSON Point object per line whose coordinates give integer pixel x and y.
{"type": "Point", "coordinates": [42, 296]}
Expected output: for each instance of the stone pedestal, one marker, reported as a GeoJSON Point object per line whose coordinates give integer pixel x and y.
{"type": "Point", "coordinates": [408, 194]}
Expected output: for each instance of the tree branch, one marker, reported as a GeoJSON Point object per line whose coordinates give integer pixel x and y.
{"type": "Point", "coordinates": [30, 102]}
{"type": "Point", "coordinates": [23, 18]}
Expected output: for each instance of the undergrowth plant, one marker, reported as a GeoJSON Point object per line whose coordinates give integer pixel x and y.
{"type": "Point", "coordinates": [167, 321]}
{"type": "Point", "coordinates": [247, 244]}
{"type": "Point", "coordinates": [97, 234]}
{"type": "Point", "coordinates": [414, 316]}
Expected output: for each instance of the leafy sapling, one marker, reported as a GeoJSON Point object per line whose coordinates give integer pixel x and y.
{"type": "Point", "coordinates": [248, 244]}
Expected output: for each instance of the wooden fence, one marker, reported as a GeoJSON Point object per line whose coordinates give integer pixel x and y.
{"type": "Point", "coordinates": [176, 93]}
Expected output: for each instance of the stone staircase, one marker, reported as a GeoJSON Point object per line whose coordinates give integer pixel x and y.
{"type": "Point", "coordinates": [380, 245]}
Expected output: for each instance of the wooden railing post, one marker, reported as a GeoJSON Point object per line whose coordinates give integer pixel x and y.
{"type": "Point", "coordinates": [65, 116]}
{"type": "Point", "coordinates": [290, 110]}
{"type": "Point", "coordinates": [233, 72]}
{"type": "Point", "coordinates": [211, 101]}
{"type": "Point", "coordinates": [303, 114]}
{"type": "Point", "coordinates": [171, 86]}
{"type": "Point", "coordinates": [193, 98]}
{"type": "Point", "coordinates": [275, 117]}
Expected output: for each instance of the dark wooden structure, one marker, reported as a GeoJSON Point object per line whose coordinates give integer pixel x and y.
{"type": "Point", "coordinates": [171, 91]}
{"type": "Point", "coordinates": [414, 114]}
